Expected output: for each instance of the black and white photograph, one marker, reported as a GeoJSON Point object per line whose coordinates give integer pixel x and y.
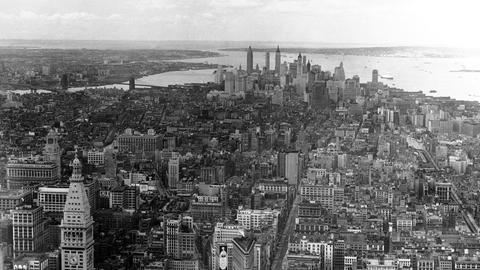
{"type": "Point", "coordinates": [239, 135]}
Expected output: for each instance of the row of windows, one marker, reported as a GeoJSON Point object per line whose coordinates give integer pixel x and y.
{"type": "Point", "coordinates": [23, 245]}
{"type": "Point", "coordinates": [31, 173]}
{"type": "Point", "coordinates": [47, 197]}
{"type": "Point", "coordinates": [23, 232]}
{"type": "Point", "coordinates": [6, 204]}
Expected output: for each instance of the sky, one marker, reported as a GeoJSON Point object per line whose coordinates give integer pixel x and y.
{"type": "Point", "coordinates": [383, 22]}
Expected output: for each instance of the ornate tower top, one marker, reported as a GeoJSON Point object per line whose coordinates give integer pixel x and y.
{"type": "Point", "coordinates": [278, 48]}
{"type": "Point", "coordinates": [77, 170]}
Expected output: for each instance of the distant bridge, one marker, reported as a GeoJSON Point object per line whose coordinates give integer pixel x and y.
{"type": "Point", "coordinates": [143, 85]}
{"type": "Point", "coordinates": [34, 88]}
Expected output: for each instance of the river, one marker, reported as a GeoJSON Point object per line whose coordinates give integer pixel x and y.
{"type": "Point", "coordinates": [409, 73]}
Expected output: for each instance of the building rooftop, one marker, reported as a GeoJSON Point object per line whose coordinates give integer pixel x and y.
{"type": "Point", "coordinates": [13, 194]}
{"type": "Point", "coordinates": [245, 243]}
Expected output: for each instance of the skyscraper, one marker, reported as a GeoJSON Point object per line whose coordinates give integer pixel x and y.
{"type": "Point", "coordinates": [267, 60]}
{"type": "Point", "coordinates": [77, 225]}
{"type": "Point", "coordinates": [299, 65]}
{"type": "Point", "coordinates": [281, 164]}
{"type": "Point", "coordinates": [352, 89]}
{"type": "Point", "coordinates": [29, 229]}
{"type": "Point", "coordinates": [319, 97]}
{"type": "Point", "coordinates": [375, 76]}
{"type": "Point", "coordinates": [229, 82]}
{"type": "Point", "coordinates": [304, 64]}
{"type": "Point", "coordinates": [52, 150]}
{"type": "Point", "coordinates": [339, 74]}
{"type": "Point", "coordinates": [249, 60]}
{"type": "Point", "coordinates": [219, 75]}
{"type": "Point", "coordinates": [277, 60]}
{"type": "Point", "coordinates": [291, 168]}
{"type": "Point", "coordinates": [173, 172]}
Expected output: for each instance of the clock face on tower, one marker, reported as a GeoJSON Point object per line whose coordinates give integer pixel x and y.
{"type": "Point", "coordinates": [73, 260]}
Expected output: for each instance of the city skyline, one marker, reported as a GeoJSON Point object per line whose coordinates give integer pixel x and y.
{"type": "Point", "coordinates": [392, 23]}
{"type": "Point", "coordinates": [135, 136]}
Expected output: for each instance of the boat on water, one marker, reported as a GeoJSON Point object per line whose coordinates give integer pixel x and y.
{"type": "Point", "coordinates": [433, 91]}
{"type": "Point", "coordinates": [386, 77]}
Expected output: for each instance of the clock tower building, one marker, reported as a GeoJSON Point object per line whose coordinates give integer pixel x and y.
{"type": "Point", "coordinates": [77, 225]}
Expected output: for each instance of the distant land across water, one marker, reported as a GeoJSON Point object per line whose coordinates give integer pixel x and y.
{"type": "Point", "coordinates": [447, 71]}
{"type": "Point", "coordinates": [396, 51]}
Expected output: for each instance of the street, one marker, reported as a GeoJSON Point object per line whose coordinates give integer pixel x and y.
{"type": "Point", "coordinates": [278, 262]}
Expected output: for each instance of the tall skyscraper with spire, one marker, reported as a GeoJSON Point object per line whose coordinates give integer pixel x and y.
{"type": "Point", "coordinates": [249, 60]}
{"type": "Point", "coordinates": [299, 65]}
{"type": "Point", "coordinates": [277, 60]}
{"type": "Point", "coordinates": [267, 60]}
{"type": "Point", "coordinates": [77, 225]}
{"type": "Point", "coordinates": [52, 150]}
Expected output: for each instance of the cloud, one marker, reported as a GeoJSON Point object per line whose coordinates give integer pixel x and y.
{"type": "Point", "coordinates": [25, 15]}
{"type": "Point", "coordinates": [238, 4]}
{"type": "Point", "coordinates": [344, 21]}
{"type": "Point", "coordinates": [114, 17]}
{"type": "Point", "coordinates": [72, 16]}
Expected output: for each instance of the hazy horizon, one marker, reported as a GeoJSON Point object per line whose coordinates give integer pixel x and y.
{"type": "Point", "coordinates": [425, 23]}
{"type": "Point", "coordinates": [199, 45]}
